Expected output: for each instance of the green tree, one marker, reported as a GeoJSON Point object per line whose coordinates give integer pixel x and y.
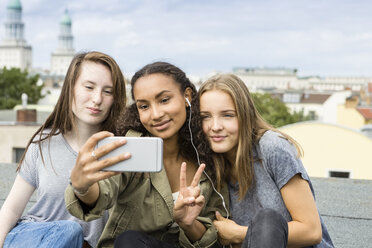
{"type": "Point", "coordinates": [14, 82]}
{"type": "Point", "coordinates": [274, 111]}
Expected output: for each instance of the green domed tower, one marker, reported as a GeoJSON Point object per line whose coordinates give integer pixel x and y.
{"type": "Point", "coordinates": [65, 51]}
{"type": "Point", "coordinates": [14, 51]}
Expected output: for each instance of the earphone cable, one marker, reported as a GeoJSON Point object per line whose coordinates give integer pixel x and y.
{"type": "Point", "coordinates": [210, 180]}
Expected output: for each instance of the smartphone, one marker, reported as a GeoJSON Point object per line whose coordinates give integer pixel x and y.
{"type": "Point", "coordinates": [146, 154]}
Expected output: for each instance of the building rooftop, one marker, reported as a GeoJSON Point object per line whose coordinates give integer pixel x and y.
{"type": "Point", "coordinates": [344, 204]}
{"type": "Point", "coordinates": [14, 4]}
{"type": "Point", "coordinates": [366, 112]}
{"type": "Point", "coordinates": [66, 19]}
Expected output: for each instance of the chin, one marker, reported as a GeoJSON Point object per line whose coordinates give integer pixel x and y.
{"type": "Point", "coordinates": [219, 149]}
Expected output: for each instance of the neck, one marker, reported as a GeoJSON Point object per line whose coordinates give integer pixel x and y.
{"type": "Point", "coordinates": [171, 152]}
{"type": "Point", "coordinates": [77, 137]}
{"type": "Point", "coordinates": [231, 156]}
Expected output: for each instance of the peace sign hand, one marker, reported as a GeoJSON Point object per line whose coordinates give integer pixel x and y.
{"type": "Point", "coordinates": [189, 203]}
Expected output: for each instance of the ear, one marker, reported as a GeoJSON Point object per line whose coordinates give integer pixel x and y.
{"type": "Point", "coordinates": [188, 94]}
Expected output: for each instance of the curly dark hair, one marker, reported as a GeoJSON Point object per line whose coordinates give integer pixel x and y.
{"type": "Point", "coordinates": [130, 119]}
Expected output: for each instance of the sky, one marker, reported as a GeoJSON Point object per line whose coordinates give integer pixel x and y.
{"type": "Point", "coordinates": [317, 37]}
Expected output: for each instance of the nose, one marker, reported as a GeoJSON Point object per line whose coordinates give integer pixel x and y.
{"type": "Point", "coordinates": [156, 112]}
{"type": "Point", "coordinates": [97, 97]}
{"type": "Point", "coordinates": [216, 124]}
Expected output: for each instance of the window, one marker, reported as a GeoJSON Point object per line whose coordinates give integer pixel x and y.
{"type": "Point", "coordinates": [339, 174]}
{"type": "Point", "coordinates": [17, 154]}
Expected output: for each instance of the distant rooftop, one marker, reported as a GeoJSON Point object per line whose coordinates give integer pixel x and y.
{"type": "Point", "coordinates": [274, 71]}
{"type": "Point", "coordinates": [366, 112]}
{"type": "Point", "coordinates": [9, 117]}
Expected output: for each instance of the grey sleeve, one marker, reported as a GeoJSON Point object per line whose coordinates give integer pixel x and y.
{"type": "Point", "coordinates": [281, 160]}
{"type": "Point", "coordinates": [29, 167]}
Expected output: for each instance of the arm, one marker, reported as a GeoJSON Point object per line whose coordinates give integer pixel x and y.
{"type": "Point", "coordinates": [305, 228]}
{"type": "Point", "coordinates": [14, 206]}
{"type": "Point", "coordinates": [88, 170]}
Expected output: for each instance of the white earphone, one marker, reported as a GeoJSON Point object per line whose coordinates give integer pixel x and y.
{"type": "Point", "coordinates": [197, 157]}
{"type": "Point", "coordinates": [187, 100]}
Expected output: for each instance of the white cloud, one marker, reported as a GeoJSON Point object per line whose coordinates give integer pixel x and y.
{"type": "Point", "coordinates": [320, 37]}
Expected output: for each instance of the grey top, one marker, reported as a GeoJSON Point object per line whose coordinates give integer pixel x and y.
{"type": "Point", "coordinates": [279, 164]}
{"type": "Point", "coordinates": [51, 180]}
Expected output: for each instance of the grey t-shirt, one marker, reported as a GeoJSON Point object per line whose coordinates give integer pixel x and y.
{"type": "Point", "coordinates": [279, 164]}
{"type": "Point", "coordinates": [51, 180]}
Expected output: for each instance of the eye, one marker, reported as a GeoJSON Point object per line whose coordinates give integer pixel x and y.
{"type": "Point", "coordinates": [108, 92]}
{"type": "Point", "coordinates": [204, 116]}
{"type": "Point", "coordinates": [142, 106]}
{"type": "Point", "coordinates": [165, 100]}
{"type": "Point", "coordinates": [88, 87]}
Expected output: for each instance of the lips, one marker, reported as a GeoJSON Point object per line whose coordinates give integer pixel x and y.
{"type": "Point", "coordinates": [161, 125]}
{"type": "Point", "coordinates": [217, 138]}
{"type": "Point", "coordinates": [94, 110]}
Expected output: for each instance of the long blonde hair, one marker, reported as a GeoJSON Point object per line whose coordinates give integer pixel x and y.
{"type": "Point", "coordinates": [251, 128]}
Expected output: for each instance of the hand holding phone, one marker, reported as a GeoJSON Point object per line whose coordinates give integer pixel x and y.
{"type": "Point", "coordinates": [146, 154]}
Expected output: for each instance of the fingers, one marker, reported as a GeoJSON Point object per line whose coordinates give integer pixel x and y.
{"type": "Point", "coordinates": [101, 164]}
{"type": "Point", "coordinates": [104, 175]}
{"type": "Point", "coordinates": [104, 149]}
{"type": "Point", "coordinates": [183, 183]}
{"type": "Point", "coordinates": [93, 140]}
{"type": "Point", "coordinates": [219, 216]}
{"type": "Point", "coordinates": [199, 172]}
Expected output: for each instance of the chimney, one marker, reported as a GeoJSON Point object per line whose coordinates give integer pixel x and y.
{"type": "Point", "coordinates": [25, 115]}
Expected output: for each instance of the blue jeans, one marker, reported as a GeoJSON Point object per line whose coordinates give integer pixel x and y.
{"type": "Point", "coordinates": [57, 234]}
{"type": "Point", "coordinates": [267, 229]}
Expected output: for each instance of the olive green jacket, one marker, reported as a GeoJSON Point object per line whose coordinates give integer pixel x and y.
{"type": "Point", "coordinates": [143, 202]}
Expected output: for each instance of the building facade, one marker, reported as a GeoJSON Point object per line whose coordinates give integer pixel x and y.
{"type": "Point", "coordinates": [14, 50]}
{"type": "Point", "coordinates": [62, 56]}
{"type": "Point", "coordinates": [332, 150]}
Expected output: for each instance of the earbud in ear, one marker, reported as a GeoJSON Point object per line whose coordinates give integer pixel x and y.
{"type": "Point", "coordinates": [187, 100]}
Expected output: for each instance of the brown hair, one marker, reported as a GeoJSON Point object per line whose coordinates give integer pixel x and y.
{"type": "Point", "coordinates": [61, 120]}
{"type": "Point", "coordinates": [251, 128]}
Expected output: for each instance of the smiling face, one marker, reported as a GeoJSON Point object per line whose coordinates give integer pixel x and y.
{"type": "Point", "coordinates": [220, 122]}
{"type": "Point", "coordinates": [93, 95]}
{"type": "Point", "coordinates": [161, 105]}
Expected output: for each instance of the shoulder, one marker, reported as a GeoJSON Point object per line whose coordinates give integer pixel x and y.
{"type": "Point", "coordinates": [273, 141]}
{"type": "Point", "coordinates": [133, 133]}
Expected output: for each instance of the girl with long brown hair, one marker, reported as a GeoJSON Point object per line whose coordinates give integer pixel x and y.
{"type": "Point", "coordinates": [271, 196]}
{"type": "Point", "coordinates": [92, 97]}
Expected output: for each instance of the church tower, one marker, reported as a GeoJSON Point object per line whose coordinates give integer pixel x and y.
{"type": "Point", "coordinates": [14, 51]}
{"type": "Point", "coordinates": [62, 56]}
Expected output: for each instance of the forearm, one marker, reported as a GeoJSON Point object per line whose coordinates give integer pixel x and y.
{"type": "Point", "coordinates": [8, 219]}
{"type": "Point", "coordinates": [195, 231]}
{"type": "Point", "coordinates": [300, 235]}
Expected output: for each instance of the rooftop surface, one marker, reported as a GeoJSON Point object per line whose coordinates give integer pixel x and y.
{"type": "Point", "coordinates": [344, 204]}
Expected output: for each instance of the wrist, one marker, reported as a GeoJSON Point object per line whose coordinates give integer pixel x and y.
{"type": "Point", "coordinates": [240, 233]}
{"type": "Point", "coordinates": [78, 192]}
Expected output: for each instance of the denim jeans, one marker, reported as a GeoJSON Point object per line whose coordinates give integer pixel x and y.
{"type": "Point", "coordinates": [267, 229]}
{"type": "Point", "coordinates": [56, 234]}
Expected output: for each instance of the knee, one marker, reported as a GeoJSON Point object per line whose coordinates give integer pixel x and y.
{"type": "Point", "coordinates": [71, 229]}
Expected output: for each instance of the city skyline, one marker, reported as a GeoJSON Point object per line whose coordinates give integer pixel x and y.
{"type": "Point", "coordinates": [326, 38]}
